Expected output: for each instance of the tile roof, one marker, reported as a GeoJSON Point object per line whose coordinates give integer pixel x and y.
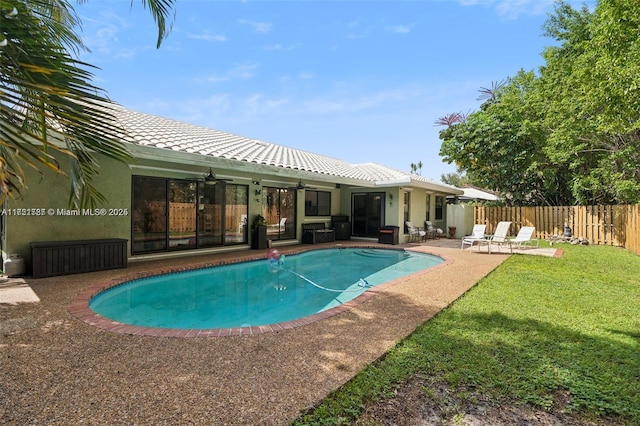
{"type": "Point", "coordinates": [153, 131]}
{"type": "Point", "coordinates": [387, 176]}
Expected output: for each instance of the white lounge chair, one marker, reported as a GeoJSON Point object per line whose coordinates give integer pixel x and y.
{"type": "Point", "coordinates": [415, 233]}
{"type": "Point", "coordinates": [277, 228]}
{"type": "Point", "coordinates": [498, 238]}
{"type": "Point", "coordinates": [476, 234]}
{"type": "Point", "coordinates": [524, 237]}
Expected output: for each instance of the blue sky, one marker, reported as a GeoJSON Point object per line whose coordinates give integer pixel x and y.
{"type": "Point", "coordinates": [362, 81]}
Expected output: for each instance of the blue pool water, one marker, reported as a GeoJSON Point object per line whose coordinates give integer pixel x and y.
{"type": "Point", "coordinates": [258, 292]}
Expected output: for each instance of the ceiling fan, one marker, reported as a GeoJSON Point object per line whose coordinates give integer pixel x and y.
{"type": "Point", "coordinates": [300, 186]}
{"type": "Point", "coordinates": [211, 179]}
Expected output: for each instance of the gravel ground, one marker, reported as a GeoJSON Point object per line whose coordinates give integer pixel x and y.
{"type": "Point", "coordinates": [55, 369]}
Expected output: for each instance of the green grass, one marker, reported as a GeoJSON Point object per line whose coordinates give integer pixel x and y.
{"type": "Point", "coordinates": [533, 327]}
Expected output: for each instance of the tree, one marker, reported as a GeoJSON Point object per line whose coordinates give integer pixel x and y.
{"type": "Point", "coordinates": [570, 135]}
{"type": "Point", "coordinates": [591, 83]}
{"type": "Point", "coordinates": [499, 146]}
{"type": "Point", "coordinates": [416, 168]}
{"type": "Point", "coordinates": [47, 102]}
{"type": "Point", "coordinates": [455, 179]}
{"type": "Point", "coordinates": [451, 119]}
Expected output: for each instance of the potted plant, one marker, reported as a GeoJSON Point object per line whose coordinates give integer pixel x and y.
{"type": "Point", "coordinates": [259, 232]}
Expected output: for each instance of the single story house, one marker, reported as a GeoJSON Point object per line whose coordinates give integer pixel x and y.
{"type": "Point", "coordinates": [194, 190]}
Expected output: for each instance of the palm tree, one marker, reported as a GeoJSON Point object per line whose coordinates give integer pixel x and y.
{"type": "Point", "coordinates": [48, 104]}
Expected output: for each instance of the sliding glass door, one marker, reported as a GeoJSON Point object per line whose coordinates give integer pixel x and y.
{"type": "Point", "coordinates": [172, 214]}
{"type": "Point", "coordinates": [367, 213]}
{"type": "Point", "coordinates": [280, 212]}
{"type": "Point", "coordinates": [235, 214]}
{"type": "Point", "coordinates": [210, 215]}
{"type": "Point", "coordinates": [149, 214]}
{"type": "Point", "coordinates": [182, 217]}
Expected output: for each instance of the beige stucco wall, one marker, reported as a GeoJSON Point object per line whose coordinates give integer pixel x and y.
{"type": "Point", "coordinates": [42, 212]}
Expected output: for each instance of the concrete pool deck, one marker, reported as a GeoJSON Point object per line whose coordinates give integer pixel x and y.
{"type": "Point", "coordinates": [57, 369]}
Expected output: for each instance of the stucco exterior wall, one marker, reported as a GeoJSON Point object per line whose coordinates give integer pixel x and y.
{"type": "Point", "coordinates": [43, 212]}
{"type": "Point", "coordinates": [393, 207]}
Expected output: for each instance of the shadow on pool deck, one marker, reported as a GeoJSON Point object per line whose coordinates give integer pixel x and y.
{"type": "Point", "coordinates": [57, 369]}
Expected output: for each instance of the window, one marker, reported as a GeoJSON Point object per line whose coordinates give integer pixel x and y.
{"type": "Point", "coordinates": [428, 211]}
{"type": "Point", "coordinates": [317, 203]}
{"type": "Point", "coordinates": [407, 210]}
{"type": "Point", "coordinates": [439, 207]}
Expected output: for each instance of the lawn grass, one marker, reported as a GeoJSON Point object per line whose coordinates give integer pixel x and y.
{"type": "Point", "coordinates": [533, 327]}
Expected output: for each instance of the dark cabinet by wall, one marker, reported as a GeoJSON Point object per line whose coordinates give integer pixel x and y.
{"type": "Point", "coordinates": [342, 230]}
{"type": "Point", "coordinates": [341, 227]}
{"type": "Point", "coordinates": [389, 234]}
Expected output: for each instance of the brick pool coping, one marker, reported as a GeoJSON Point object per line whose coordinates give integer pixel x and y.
{"type": "Point", "coordinates": [80, 310]}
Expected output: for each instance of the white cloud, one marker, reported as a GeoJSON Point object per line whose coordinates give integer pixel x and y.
{"type": "Point", "coordinates": [102, 37]}
{"type": "Point", "coordinates": [199, 110]}
{"type": "Point", "coordinates": [280, 47]}
{"type": "Point", "coordinates": [513, 9]}
{"type": "Point", "coordinates": [358, 28]}
{"type": "Point", "coordinates": [348, 102]}
{"type": "Point", "coordinates": [259, 27]}
{"type": "Point", "coordinates": [241, 71]}
{"type": "Point", "coordinates": [207, 37]}
{"type": "Point", "coordinates": [401, 29]}
{"type": "Point", "coordinates": [259, 104]}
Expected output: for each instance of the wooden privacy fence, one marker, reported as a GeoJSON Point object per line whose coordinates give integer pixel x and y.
{"type": "Point", "coordinates": [182, 216]}
{"type": "Point", "coordinates": [604, 225]}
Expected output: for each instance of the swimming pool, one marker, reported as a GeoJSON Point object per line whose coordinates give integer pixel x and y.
{"type": "Point", "coordinates": [256, 293]}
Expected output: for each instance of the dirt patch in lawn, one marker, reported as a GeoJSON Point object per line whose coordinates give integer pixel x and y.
{"type": "Point", "coordinates": [424, 400]}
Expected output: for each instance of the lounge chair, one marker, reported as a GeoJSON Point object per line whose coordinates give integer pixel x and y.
{"type": "Point", "coordinates": [524, 237]}
{"type": "Point", "coordinates": [476, 234]}
{"type": "Point", "coordinates": [277, 228]}
{"type": "Point", "coordinates": [415, 233]}
{"type": "Point", "coordinates": [498, 238]}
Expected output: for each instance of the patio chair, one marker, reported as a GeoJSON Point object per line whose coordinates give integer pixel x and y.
{"type": "Point", "coordinates": [415, 233]}
{"type": "Point", "coordinates": [524, 237]}
{"type": "Point", "coordinates": [498, 238]}
{"type": "Point", "coordinates": [432, 231]}
{"type": "Point", "coordinates": [476, 234]}
{"type": "Point", "coordinates": [277, 228]}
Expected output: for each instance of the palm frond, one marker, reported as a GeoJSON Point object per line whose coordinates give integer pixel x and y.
{"type": "Point", "coordinates": [160, 10]}
{"type": "Point", "coordinates": [47, 105]}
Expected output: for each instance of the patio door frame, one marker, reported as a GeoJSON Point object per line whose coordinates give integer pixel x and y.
{"type": "Point", "coordinates": [367, 213]}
